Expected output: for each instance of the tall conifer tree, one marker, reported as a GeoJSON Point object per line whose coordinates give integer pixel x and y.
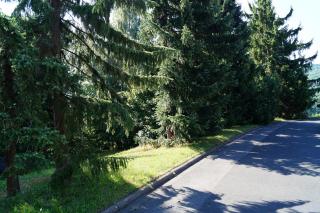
{"type": "Point", "coordinates": [210, 36]}
{"type": "Point", "coordinates": [296, 95]}
{"type": "Point", "coordinates": [84, 73]}
{"type": "Point", "coordinates": [264, 26]}
{"type": "Point", "coordinates": [282, 86]}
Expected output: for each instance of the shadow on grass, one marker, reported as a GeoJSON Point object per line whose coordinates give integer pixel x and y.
{"type": "Point", "coordinates": [28, 182]}
{"type": "Point", "coordinates": [83, 195]}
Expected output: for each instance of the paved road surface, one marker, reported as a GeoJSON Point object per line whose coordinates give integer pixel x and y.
{"type": "Point", "coordinates": [274, 169]}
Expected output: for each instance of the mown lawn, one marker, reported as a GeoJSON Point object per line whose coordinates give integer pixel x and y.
{"type": "Point", "coordinates": [84, 195]}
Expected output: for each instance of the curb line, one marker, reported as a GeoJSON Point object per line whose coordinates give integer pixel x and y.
{"type": "Point", "coordinates": [170, 175]}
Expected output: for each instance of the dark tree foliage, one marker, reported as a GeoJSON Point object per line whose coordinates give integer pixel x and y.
{"type": "Point", "coordinates": [81, 61]}
{"type": "Point", "coordinates": [211, 38]}
{"type": "Point", "coordinates": [264, 28]}
{"type": "Point", "coordinates": [25, 137]}
{"type": "Point", "coordinates": [234, 50]}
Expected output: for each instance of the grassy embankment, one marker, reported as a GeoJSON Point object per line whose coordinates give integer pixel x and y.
{"type": "Point", "coordinates": [144, 165]}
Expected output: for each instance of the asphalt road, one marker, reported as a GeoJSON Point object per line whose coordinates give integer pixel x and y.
{"type": "Point", "coordinates": [274, 169]}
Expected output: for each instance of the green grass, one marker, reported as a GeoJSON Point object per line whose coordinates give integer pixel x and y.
{"type": "Point", "coordinates": [144, 165]}
{"type": "Point", "coordinates": [278, 119]}
{"type": "Point", "coordinates": [315, 116]}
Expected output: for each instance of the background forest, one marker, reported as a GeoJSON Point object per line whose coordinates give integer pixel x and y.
{"type": "Point", "coordinates": [83, 79]}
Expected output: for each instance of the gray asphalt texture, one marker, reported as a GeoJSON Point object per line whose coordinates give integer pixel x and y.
{"type": "Point", "coordinates": [273, 169]}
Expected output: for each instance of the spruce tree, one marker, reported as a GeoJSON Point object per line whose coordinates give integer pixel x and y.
{"type": "Point", "coordinates": [8, 99]}
{"type": "Point", "coordinates": [282, 87]}
{"type": "Point", "coordinates": [296, 96]}
{"type": "Point", "coordinates": [264, 26]}
{"type": "Point", "coordinates": [24, 131]}
{"type": "Point", "coordinates": [234, 50]}
{"type": "Point", "coordinates": [206, 33]}
{"type": "Point", "coordinates": [85, 72]}
{"type": "Point", "coordinates": [169, 25]}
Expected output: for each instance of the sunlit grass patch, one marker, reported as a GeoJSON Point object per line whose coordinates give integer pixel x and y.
{"type": "Point", "coordinates": [278, 119]}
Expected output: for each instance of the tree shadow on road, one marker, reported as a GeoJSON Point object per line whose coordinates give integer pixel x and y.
{"type": "Point", "coordinates": [169, 199]}
{"type": "Point", "coordinates": [293, 149]}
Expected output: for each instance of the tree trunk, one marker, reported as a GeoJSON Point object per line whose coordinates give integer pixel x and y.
{"type": "Point", "coordinates": [63, 171]}
{"type": "Point", "coordinates": [56, 28]}
{"type": "Point", "coordinates": [170, 133]}
{"type": "Point", "coordinates": [13, 186]}
{"type": "Point", "coordinates": [58, 113]}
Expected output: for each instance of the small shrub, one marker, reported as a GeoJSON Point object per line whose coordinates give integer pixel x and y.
{"type": "Point", "coordinates": [27, 208]}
